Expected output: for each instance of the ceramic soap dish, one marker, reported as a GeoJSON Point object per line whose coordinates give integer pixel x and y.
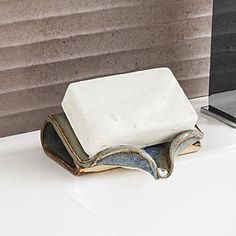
{"type": "Point", "coordinates": [61, 144]}
{"type": "Point", "coordinates": [139, 120]}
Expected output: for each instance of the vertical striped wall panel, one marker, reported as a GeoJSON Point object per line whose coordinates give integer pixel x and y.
{"type": "Point", "coordinates": [47, 44]}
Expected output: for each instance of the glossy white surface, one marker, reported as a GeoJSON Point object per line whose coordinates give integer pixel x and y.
{"type": "Point", "coordinates": [38, 197]}
{"type": "Point", "coordinates": [141, 108]}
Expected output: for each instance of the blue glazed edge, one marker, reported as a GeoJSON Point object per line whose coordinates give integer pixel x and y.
{"type": "Point", "coordinates": [157, 160]}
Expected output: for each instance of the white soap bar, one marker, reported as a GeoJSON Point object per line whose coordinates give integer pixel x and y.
{"type": "Point", "coordinates": [141, 108]}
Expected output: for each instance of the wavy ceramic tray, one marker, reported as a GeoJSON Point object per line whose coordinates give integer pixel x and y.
{"type": "Point", "coordinates": [60, 143]}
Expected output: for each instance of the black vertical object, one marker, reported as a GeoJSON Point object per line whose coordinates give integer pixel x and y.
{"type": "Point", "coordinates": [222, 91]}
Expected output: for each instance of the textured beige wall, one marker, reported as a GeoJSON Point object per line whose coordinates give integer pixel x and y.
{"type": "Point", "coordinates": [46, 44]}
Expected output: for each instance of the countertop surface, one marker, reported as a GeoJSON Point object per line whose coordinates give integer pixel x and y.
{"type": "Point", "coordinates": [38, 197]}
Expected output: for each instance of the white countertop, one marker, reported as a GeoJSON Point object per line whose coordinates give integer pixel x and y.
{"type": "Point", "coordinates": [38, 197]}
